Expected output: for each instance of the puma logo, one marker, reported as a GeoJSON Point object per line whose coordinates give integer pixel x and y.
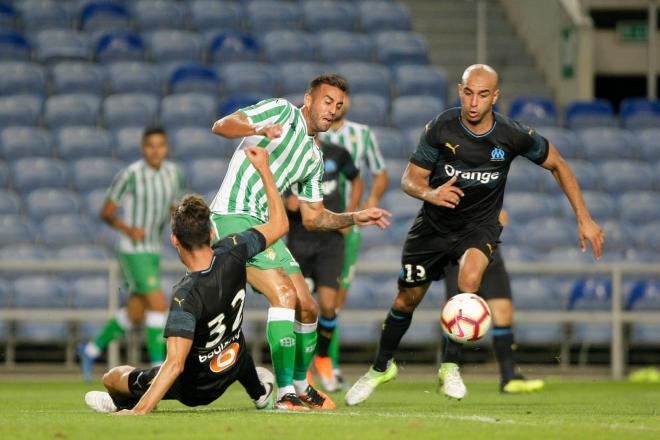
{"type": "Point", "coordinates": [179, 301]}
{"type": "Point", "coordinates": [531, 131]}
{"type": "Point", "coordinates": [233, 239]}
{"type": "Point", "coordinates": [451, 147]}
{"type": "Point", "coordinates": [490, 248]}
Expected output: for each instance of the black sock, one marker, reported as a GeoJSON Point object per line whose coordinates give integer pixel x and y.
{"type": "Point", "coordinates": [325, 329]}
{"type": "Point", "coordinates": [250, 379]}
{"type": "Point", "coordinates": [395, 326]}
{"type": "Point", "coordinates": [452, 351]}
{"type": "Point", "coordinates": [503, 344]}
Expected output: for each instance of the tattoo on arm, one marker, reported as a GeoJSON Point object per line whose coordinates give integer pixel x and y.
{"type": "Point", "coordinates": [331, 221]}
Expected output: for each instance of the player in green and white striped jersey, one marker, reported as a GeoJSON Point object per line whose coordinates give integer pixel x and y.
{"type": "Point", "coordinates": [145, 191]}
{"type": "Point", "coordinates": [361, 142]}
{"type": "Point", "coordinates": [295, 160]}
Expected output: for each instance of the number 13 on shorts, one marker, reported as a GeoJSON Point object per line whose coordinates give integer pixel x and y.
{"type": "Point", "coordinates": [412, 273]}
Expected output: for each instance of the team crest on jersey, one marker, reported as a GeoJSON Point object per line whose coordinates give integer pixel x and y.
{"type": "Point", "coordinates": [497, 154]}
{"type": "Point", "coordinates": [270, 254]}
{"type": "Point", "coordinates": [330, 166]}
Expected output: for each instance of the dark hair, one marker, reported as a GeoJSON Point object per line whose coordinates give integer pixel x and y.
{"type": "Point", "coordinates": [331, 79]}
{"type": "Point", "coordinates": [191, 222]}
{"type": "Point", "coordinates": [151, 131]}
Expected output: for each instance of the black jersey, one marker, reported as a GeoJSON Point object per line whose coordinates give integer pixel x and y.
{"type": "Point", "coordinates": [481, 163]}
{"type": "Point", "coordinates": [207, 307]}
{"type": "Point", "coordinates": [338, 165]}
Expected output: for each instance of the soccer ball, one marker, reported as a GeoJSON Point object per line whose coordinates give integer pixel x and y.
{"type": "Point", "coordinates": [465, 318]}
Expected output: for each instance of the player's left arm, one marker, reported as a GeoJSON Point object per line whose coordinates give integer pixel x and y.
{"type": "Point", "coordinates": [588, 229]}
{"type": "Point", "coordinates": [177, 351]}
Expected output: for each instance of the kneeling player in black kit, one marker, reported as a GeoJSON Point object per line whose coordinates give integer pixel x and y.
{"type": "Point", "coordinates": [459, 170]}
{"type": "Point", "coordinates": [206, 349]}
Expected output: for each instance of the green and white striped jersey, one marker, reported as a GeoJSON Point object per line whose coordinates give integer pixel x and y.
{"type": "Point", "coordinates": [295, 161]}
{"type": "Point", "coordinates": [361, 142]}
{"type": "Point", "coordinates": [145, 196]}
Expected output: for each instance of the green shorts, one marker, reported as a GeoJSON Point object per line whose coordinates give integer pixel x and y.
{"type": "Point", "coordinates": [141, 271]}
{"type": "Point", "coordinates": [352, 242]}
{"type": "Point", "coordinates": [277, 255]}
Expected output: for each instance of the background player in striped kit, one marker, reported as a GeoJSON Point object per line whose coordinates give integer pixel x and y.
{"type": "Point", "coordinates": [362, 144]}
{"type": "Point", "coordinates": [146, 191]}
{"type": "Point", "coordinates": [287, 132]}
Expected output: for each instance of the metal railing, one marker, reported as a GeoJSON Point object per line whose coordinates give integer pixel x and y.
{"type": "Point", "coordinates": [616, 316]}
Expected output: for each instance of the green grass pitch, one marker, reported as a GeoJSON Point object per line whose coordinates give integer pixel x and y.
{"type": "Point", "coordinates": [407, 408]}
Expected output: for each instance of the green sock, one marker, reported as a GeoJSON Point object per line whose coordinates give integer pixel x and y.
{"type": "Point", "coordinates": [282, 341]}
{"type": "Point", "coordinates": [155, 323]}
{"type": "Point", "coordinates": [305, 349]}
{"type": "Point", "coordinates": [333, 349]}
{"type": "Point", "coordinates": [111, 330]}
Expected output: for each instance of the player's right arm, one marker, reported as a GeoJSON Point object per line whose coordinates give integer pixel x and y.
{"type": "Point", "coordinates": [278, 223]}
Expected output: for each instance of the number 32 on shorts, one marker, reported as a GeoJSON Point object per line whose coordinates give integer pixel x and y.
{"type": "Point", "coordinates": [413, 273]}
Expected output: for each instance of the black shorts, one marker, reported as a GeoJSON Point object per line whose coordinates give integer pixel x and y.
{"type": "Point", "coordinates": [189, 388]}
{"type": "Point", "coordinates": [495, 284]}
{"type": "Point", "coordinates": [320, 259]}
{"type": "Point", "coordinates": [426, 251]}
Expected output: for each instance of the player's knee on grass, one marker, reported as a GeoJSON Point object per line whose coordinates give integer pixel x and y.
{"type": "Point", "coordinates": [116, 380]}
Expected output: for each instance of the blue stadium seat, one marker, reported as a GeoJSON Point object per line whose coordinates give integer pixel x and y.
{"type": "Point", "coordinates": [4, 174]}
{"type": "Point", "coordinates": [648, 141]}
{"type": "Point", "coordinates": [376, 16]}
{"type": "Point", "coordinates": [119, 46]}
{"type": "Point", "coordinates": [38, 172]}
{"type": "Point", "coordinates": [568, 255]}
{"type": "Point", "coordinates": [93, 173]}
{"type": "Point", "coordinates": [295, 76]}
{"type": "Point", "coordinates": [328, 15]}
{"type": "Point", "coordinates": [206, 174]}
{"type": "Point", "coordinates": [395, 48]}
{"type": "Point", "coordinates": [546, 233]}
{"type": "Point", "coordinates": [366, 77]}
{"type": "Point", "coordinates": [72, 109]}
{"type": "Point", "coordinates": [369, 109]}
{"type": "Point", "coordinates": [160, 14]}
{"type": "Point", "coordinates": [41, 332]}
{"type": "Point", "coordinates": [401, 205]}
{"type": "Point", "coordinates": [40, 292]}
{"type": "Point", "coordinates": [18, 77]}
{"type": "Point", "coordinates": [199, 143]}
{"type": "Point", "coordinates": [133, 77]}
{"type": "Point", "coordinates": [226, 46]}
{"type": "Point", "coordinates": [90, 292]}
{"type": "Point", "coordinates": [127, 142]}
{"type": "Point", "coordinates": [625, 175]}
{"type": "Point", "coordinates": [16, 229]}
{"type": "Point", "coordinates": [130, 109]}
{"type": "Point", "coordinates": [77, 142]}
{"type": "Point", "coordinates": [9, 16]}
{"type": "Point", "coordinates": [645, 334]}
{"type": "Point", "coordinates": [45, 201]}
{"type": "Point", "coordinates": [20, 252]}
{"type": "Point", "coordinates": [587, 174]}
{"type": "Point", "coordinates": [78, 77]}
{"type": "Point", "coordinates": [534, 111]}
{"type": "Point", "coordinates": [10, 203]}
{"type": "Point", "coordinates": [14, 46]}
{"type": "Point", "coordinates": [648, 236]}
{"type": "Point", "coordinates": [103, 15]}
{"type": "Point", "coordinates": [281, 46]}
{"type": "Point", "coordinates": [591, 294]}
{"type": "Point", "coordinates": [644, 295]}
{"type": "Point", "coordinates": [640, 113]}
{"type": "Point", "coordinates": [584, 114]}
{"type": "Point", "coordinates": [168, 46]}
{"type": "Point", "coordinates": [54, 45]}
{"type": "Point", "coordinates": [617, 234]}
{"type": "Point", "coordinates": [534, 293]}
{"type": "Point", "coordinates": [421, 80]}
{"type": "Point", "coordinates": [17, 142]}
{"type": "Point", "coordinates": [192, 78]}
{"type": "Point", "coordinates": [62, 230]}
{"type": "Point", "coordinates": [232, 103]}
{"type": "Point", "coordinates": [566, 141]}
{"type": "Point", "coordinates": [93, 203]}
{"type": "Point", "coordinates": [602, 206]}
{"type": "Point", "coordinates": [342, 47]}
{"type": "Point", "coordinates": [391, 143]}
{"type": "Point", "coordinates": [415, 111]}
{"type": "Point", "coordinates": [187, 109]}
{"type": "Point", "coordinates": [525, 206]}
{"type": "Point", "coordinates": [606, 143]}
{"type": "Point", "coordinates": [395, 168]}
{"type": "Point", "coordinates": [212, 14]}
{"type": "Point", "coordinates": [264, 16]}
{"type": "Point", "coordinates": [84, 252]}
{"type": "Point", "coordinates": [44, 14]}
{"type": "Point", "coordinates": [517, 254]}
{"type": "Point", "coordinates": [523, 176]}
{"type": "Point", "coordinates": [638, 207]}
{"type": "Point", "coordinates": [249, 77]}
{"type": "Point", "coordinates": [20, 110]}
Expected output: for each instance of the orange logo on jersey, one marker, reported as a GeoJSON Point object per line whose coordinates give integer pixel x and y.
{"type": "Point", "coordinates": [452, 147]}
{"type": "Point", "coordinates": [225, 359]}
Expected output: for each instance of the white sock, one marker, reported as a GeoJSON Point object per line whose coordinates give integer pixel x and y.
{"type": "Point", "coordinates": [289, 389]}
{"type": "Point", "coordinates": [301, 386]}
{"type": "Point", "coordinates": [92, 350]}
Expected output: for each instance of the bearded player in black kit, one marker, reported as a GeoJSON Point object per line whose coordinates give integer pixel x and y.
{"type": "Point", "coordinates": [206, 349]}
{"type": "Point", "coordinates": [459, 170]}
